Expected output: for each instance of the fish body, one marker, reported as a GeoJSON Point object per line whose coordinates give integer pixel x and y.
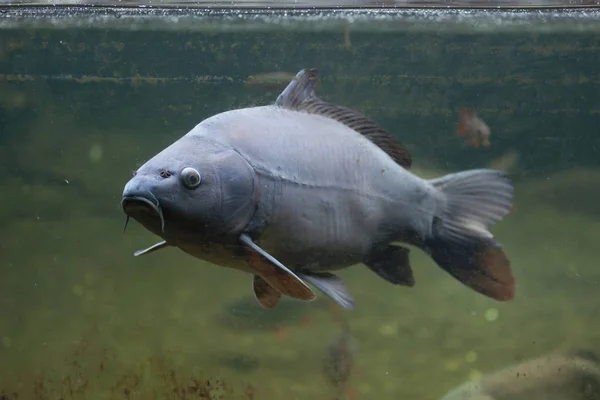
{"type": "Point", "coordinates": [475, 131]}
{"type": "Point", "coordinates": [332, 202]}
{"type": "Point", "coordinates": [293, 191]}
{"type": "Point", "coordinates": [573, 375]}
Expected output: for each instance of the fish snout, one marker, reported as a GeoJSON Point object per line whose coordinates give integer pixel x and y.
{"type": "Point", "coordinates": [134, 202]}
{"type": "Point", "coordinates": [136, 187]}
{"type": "Point", "coordinates": [138, 201]}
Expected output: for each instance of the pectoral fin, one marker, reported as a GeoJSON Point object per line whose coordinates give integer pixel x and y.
{"type": "Point", "coordinates": [275, 273]}
{"type": "Point", "coordinates": [266, 296]}
{"type": "Point", "coordinates": [152, 248]}
{"type": "Point", "coordinates": [392, 264]}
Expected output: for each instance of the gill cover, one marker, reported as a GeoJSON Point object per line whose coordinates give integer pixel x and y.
{"type": "Point", "coordinates": [238, 187]}
{"type": "Point", "coordinates": [218, 203]}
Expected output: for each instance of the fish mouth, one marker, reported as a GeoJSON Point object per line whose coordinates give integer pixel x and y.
{"type": "Point", "coordinates": [134, 204]}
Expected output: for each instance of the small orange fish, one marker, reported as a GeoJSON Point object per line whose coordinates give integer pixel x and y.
{"type": "Point", "coordinates": [473, 129]}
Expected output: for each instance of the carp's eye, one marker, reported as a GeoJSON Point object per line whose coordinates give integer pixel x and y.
{"type": "Point", "coordinates": [190, 177]}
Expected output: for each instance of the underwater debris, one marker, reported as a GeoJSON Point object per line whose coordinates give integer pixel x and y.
{"type": "Point", "coordinates": [8, 396]}
{"type": "Point", "coordinates": [95, 372]}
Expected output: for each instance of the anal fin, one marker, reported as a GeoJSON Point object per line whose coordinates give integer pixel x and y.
{"type": "Point", "coordinates": [266, 295]}
{"type": "Point", "coordinates": [276, 274]}
{"type": "Point", "coordinates": [332, 286]}
{"type": "Point", "coordinates": [392, 263]}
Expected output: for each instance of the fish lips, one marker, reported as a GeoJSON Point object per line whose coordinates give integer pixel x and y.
{"type": "Point", "coordinates": [143, 209]}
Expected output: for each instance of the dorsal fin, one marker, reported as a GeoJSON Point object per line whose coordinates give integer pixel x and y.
{"type": "Point", "coordinates": [300, 95]}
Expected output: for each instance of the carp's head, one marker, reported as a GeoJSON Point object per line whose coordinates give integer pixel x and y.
{"type": "Point", "coordinates": [193, 191]}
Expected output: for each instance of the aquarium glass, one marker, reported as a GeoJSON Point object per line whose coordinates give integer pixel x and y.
{"type": "Point", "coordinates": [90, 91]}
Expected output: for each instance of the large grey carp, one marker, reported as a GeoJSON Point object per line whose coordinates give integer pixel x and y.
{"type": "Point", "coordinates": [293, 191]}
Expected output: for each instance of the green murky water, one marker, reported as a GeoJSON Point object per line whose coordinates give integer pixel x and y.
{"type": "Point", "coordinates": [87, 95]}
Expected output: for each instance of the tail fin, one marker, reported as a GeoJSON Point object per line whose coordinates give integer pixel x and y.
{"type": "Point", "coordinates": [460, 241]}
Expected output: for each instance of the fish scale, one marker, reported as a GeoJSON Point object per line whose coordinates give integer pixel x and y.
{"type": "Point", "coordinates": [293, 157]}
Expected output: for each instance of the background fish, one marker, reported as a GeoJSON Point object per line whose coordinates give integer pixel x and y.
{"type": "Point", "coordinates": [473, 129]}
{"type": "Point", "coordinates": [572, 375]}
{"type": "Point", "coordinates": [293, 191]}
{"type": "Point", "coordinates": [339, 357]}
